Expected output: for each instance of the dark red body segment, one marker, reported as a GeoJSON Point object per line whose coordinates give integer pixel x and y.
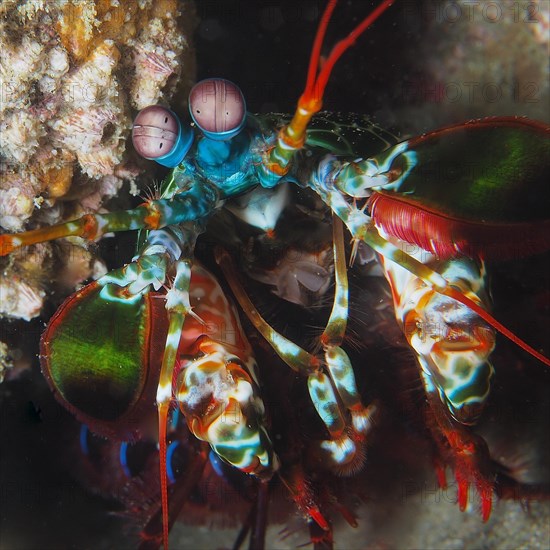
{"type": "Point", "coordinates": [480, 188]}
{"type": "Point", "coordinates": [447, 237]}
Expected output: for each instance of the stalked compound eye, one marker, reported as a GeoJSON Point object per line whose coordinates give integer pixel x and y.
{"type": "Point", "coordinates": [158, 135]}
{"type": "Point", "coordinates": [218, 108]}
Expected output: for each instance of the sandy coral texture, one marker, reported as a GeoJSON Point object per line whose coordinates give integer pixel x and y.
{"type": "Point", "coordinates": [73, 74]}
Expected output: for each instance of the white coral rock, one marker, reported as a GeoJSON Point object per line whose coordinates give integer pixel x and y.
{"type": "Point", "coordinates": [20, 300]}
{"type": "Point", "coordinates": [19, 136]}
{"type": "Point", "coordinates": [15, 208]}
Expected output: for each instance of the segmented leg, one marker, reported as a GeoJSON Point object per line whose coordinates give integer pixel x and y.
{"type": "Point", "coordinates": [453, 346]}
{"type": "Point", "coordinates": [469, 455]}
{"type": "Point", "coordinates": [177, 306]}
{"type": "Point", "coordinates": [345, 447]}
{"type": "Point", "coordinates": [320, 387]}
{"type": "Point", "coordinates": [217, 396]}
{"type": "Point", "coordinates": [326, 181]}
{"type": "Point", "coordinates": [155, 525]}
{"type": "Point", "coordinates": [339, 364]}
{"type": "Point", "coordinates": [209, 370]}
{"type": "Point", "coordinates": [198, 200]}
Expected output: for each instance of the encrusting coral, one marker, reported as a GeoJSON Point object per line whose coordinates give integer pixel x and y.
{"type": "Point", "coordinates": [73, 74]}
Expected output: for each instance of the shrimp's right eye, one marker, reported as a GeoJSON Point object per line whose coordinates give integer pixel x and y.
{"type": "Point", "coordinates": [218, 108]}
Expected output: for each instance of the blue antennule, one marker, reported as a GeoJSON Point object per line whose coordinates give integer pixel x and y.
{"type": "Point", "coordinates": [218, 108]}
{"type": "Point", "coordinates": [158, 135]}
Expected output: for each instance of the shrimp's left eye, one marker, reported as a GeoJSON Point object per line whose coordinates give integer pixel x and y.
{"type": "Point", "coordinates": [218, 108]}
{"type": "Point", "coordinates": [158, 135]}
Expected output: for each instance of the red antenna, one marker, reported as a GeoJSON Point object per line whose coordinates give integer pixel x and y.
{"type": "Point", "coordinates": [315, 87]}
{"type": "Point", "coordinates": [292, 137]}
